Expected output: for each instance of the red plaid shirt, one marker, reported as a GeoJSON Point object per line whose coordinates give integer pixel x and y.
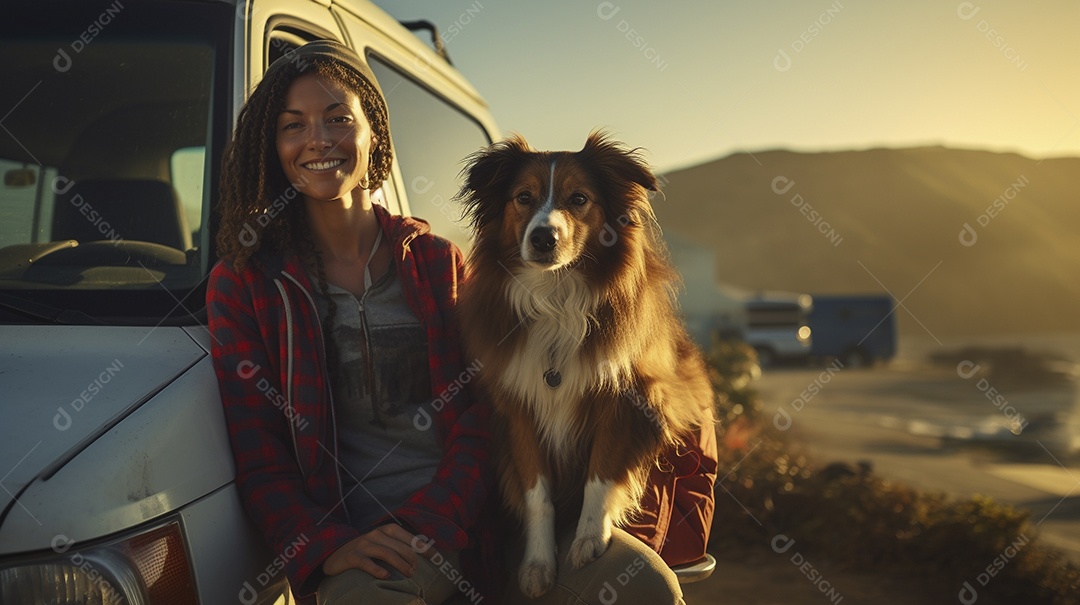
{"type": "Point", "coordinates": [270, 363]}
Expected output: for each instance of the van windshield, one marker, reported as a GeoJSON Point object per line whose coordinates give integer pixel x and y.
{"type": "Point", "coordinates": [109, 116]}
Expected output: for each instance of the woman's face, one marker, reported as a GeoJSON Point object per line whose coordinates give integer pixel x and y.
{"type": "Point", "coordinates": [323, 139]}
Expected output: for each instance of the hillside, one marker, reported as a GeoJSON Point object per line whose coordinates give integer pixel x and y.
{"type": "Point", "coordinates": [841, 222]}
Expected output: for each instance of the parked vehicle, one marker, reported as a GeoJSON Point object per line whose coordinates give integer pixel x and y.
{"type": "Point", "coordinates": [776, 326]}
{"type": "Point", "coordinates": [117, 476]}
{"type": "Point", "coordinates": [857, 330]}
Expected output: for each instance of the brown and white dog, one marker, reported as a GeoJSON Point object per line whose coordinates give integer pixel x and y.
{"type": "Point", "coordinates": [569, 305]}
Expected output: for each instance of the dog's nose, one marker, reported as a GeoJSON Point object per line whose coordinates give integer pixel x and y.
{"type": "Point", "coordinates": [543, 239]}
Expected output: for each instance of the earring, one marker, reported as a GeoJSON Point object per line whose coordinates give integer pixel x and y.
{"type": "Point", "coordinates": [365, 182]}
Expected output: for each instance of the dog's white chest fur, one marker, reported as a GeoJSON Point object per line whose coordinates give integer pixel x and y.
{"type": "Point", "coordinates": [556, 310]}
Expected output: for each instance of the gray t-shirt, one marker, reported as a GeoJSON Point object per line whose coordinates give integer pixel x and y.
{"type": "Point", "coordinates": [381, 379]}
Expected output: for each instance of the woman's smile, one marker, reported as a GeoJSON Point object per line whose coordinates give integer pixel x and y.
{"type": "Point", "coordinates": [323, 166]}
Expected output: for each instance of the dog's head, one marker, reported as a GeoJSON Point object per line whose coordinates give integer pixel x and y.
{"type": "Point", "coordinates": [550, 210]}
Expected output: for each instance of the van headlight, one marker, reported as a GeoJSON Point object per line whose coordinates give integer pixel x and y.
{"type": "Point", "coordinates": [147, 567]}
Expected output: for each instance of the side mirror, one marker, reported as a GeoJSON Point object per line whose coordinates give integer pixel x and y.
{"type": "Point", "coordinates": [20, 177]}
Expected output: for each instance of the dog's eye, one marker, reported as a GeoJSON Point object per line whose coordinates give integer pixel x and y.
{"type": "Point", "coordinates": [524, 197]}
{"type": "Point", "coordinates": [578, 199]}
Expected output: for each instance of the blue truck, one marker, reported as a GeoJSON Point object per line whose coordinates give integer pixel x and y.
{"type": "Point", "coordinates": [857, 330]}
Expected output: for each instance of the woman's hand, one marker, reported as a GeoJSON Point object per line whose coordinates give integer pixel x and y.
{"type": "Point", "coordinates": [390, 544]}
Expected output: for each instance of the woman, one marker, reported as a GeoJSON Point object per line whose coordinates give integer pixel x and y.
{"type": "Point", "coordinates": [358, 454]}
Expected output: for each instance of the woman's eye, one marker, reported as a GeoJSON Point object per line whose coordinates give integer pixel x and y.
{"type": "Point", "coordinates": [524, 197]}
{"type": "Point", "coordinates": [341, 119]}
{"type": "Point", "coordinates": [578, 199]}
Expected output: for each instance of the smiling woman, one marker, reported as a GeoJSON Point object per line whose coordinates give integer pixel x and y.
{"type": "Point", "coordinates": [346, 311]}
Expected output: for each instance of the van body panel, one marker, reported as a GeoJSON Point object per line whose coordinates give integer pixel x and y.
{"type": "Point", "coordinates": [241, 570]}
{"type": "Point", "coordinates": [62, 384]}
{"type": "Point", "coordinates": [161, 455]}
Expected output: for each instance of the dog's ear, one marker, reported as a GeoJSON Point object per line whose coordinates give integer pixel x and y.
{"type": "Point", "coordinates": [618, 161]}
{"type": "Point", "coordinates": [487, 175]}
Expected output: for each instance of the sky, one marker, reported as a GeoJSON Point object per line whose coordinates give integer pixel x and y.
{"type": "Point", "coordinates": [694, 80]}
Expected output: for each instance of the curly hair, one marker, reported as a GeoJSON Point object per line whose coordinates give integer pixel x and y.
{"type": "Point", "coordinates": [256, 200]}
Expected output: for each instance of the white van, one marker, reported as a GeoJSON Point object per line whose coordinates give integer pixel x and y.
{"type": "Point", "coordinates": [115, 468]}
{"type": "Point", "coordinates": [776, 326]}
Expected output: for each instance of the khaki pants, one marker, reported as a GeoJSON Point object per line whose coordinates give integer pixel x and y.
{"type": "Point", "coordinates": [628, 573]}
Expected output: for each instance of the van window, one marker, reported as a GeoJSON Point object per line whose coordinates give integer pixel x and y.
{"type": "Point", "coordinates": [109, 113]}
{"type": "Point", "coordinates": [284, 39]}
{"type": "Point", "coordinates": [431, 138]}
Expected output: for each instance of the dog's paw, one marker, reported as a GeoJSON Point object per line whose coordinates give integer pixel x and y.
{"type": "Point", "coordinates": [587, 549]}
{"type": "Point", "coordinates": [536, 577]}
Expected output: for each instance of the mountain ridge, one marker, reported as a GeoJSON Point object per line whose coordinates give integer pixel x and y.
{"type": "Point", "coordinates": [971, 241]}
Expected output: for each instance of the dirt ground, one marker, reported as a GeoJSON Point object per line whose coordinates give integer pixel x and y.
{"type": "Point", "coordinates": [767, 578]}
